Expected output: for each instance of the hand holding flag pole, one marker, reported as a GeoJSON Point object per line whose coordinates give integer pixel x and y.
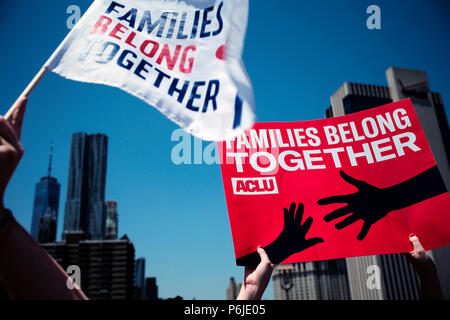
{"type": "Point", "coordinates": [26, 92]}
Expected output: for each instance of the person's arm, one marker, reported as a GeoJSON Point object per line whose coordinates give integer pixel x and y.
{"type": "Point", "coordinates": [425, 269]}
{"type": "Point", "coordinates": [256, 279]}
{"type": "Point", "coordinates": [28, 271]}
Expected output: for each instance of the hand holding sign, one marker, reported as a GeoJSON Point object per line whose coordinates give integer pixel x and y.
{"type": "Point", "coordinates": [256, 279]}
{"type": "Point", "coordinates": [425, 269]}
{"type": "Point", "coordinates": [419, 258]}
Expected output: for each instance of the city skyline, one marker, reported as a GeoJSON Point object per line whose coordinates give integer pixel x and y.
{"type": "Point", "coordinates": [91, 226]}
{"type": "Point", "coordinates": [177, 212]}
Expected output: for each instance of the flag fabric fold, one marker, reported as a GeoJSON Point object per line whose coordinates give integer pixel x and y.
{"type": "Point", "coordinates": [182, 57]}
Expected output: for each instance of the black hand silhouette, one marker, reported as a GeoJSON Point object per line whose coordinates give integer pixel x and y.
{"type": "Point", "coordinates": [369, 204]}
{"type": "Point", "coordinates": [292, 238]}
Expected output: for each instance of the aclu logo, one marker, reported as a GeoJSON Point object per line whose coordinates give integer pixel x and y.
{"type": "Point", "coordinates": [266, 185]}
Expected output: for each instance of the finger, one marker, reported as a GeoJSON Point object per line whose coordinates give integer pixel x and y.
{"type": "Point", "coordinates": [18, 115]}
{"type": "Point", "coordinates": [286, 216]}
{"type": "Point", "coordinates": [289, 214]}
{"type": "Point", "coordinates": [416, 243]}
{"type": "Point", "coordinates": [312, 242]}
{"type": "Point", "coordinates": [337, 213]}
{"type": "Point", "coordinates": [7, 133]}
{"type": "Point", "coordinates": [350, 180]}
{"type": "Point", "coordinates": [346, 222]}
{"type": "Point", "coordinates": [299, 214]}
{"type": "Point", "coordinates": [292, 208]}
{"type": "Point", "coordinates": [307, 224]}
{"type": "Point", "coordinates": [365, 228]}
{"type": "Point", "coordinates": [333, 199]}
{"type": "Point", "coordinates": [263, 255]}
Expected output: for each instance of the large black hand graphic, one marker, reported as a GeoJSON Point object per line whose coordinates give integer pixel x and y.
{"type": "Point", "coordinates": [292, 238]}
{"type": "Point", "coordinates": [369, 204]}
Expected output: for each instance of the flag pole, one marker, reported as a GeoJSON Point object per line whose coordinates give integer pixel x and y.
{"type": "Point", "coordinates": [27, 91]}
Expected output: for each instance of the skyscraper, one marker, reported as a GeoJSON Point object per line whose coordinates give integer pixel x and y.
{"type": "Point", "coordinates": [139, 278]}
{"type": "Point", "coordinates": [46, 203]}
{"type": "Point", "coordinates": [47, 228]}
{"type": "Point", "coordinates": [112, 217]}
{"type": "Point", "coordinates": [151, 289]}
{"type": "Point", "coordinates": [233, 290]}
{"type": "Point", "coordinates": [314, 280]}
{"type": "Point", "coordinates": [398, 278]}
{"type": "Point", "coordinates": [85, 206]}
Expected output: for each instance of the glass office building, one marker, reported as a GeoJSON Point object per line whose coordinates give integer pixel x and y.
{"type": "Point", "coordinates": [85, 208]}
{"type": "Point", "coordinates": [46, 202]}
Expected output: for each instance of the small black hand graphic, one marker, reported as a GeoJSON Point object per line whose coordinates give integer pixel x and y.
{"type": "Point", "coordinates": [292, 238]}
{"type": "Point", "coordinates": [369, 204]}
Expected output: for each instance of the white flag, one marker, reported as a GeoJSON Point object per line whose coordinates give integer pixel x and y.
{"type": "Point", "coordinates": [182, 57]}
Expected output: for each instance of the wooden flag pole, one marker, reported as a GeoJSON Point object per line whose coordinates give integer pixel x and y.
{"type": "Point", "coordinates": [27, 91]}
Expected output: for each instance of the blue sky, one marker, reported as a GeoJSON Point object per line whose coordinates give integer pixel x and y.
{"type": "Point", "coordinates": [297, 54]}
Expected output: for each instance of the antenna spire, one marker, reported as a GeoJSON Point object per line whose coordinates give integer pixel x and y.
{"type": "Point", "coordinates": [50, 160]}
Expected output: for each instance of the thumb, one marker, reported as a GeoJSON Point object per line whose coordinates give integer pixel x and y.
{"type": "Point", "coordinates": [415, 243]}
{"type": "Point", "coordinates": [18, 115]}
{"type": "Point", "coordinates": [313, 241]}
{"type": "Point", "coordinates": [263, 255]}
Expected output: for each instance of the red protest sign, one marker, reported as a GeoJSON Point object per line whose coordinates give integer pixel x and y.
{"type": "Point", "coordinates": [347, 186]}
